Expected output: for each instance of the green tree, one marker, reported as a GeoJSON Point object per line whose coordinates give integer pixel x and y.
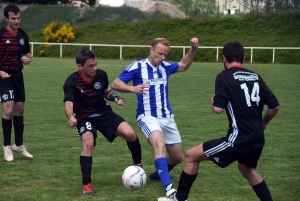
{"type": "Point", "coordinates": [196, 8]}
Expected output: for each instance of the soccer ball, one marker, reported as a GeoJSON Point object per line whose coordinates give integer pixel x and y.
{"type": "Point", "coordinates": [134, 177]}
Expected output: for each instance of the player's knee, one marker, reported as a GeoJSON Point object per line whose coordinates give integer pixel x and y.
{"type": "Point", "coordinates": [190, 156]}
{"type": "Point", "coordinates": [7, 113]}
{"type": "Point", "coordinates": [89, 147]}
{"type": "Point", "coordinates": [180, 160]}
{"type": "Point", "coordinates": [19, 112]}
{"type": "Point", "coordinates": [130, 136]}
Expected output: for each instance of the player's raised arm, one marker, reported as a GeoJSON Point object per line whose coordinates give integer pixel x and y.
{"type": "Point", "coordinates": [187, 60]}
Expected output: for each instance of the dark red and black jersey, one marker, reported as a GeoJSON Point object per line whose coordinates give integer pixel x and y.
{"type": "Point", "coordinates": [12, 48]}
{"type": "Point", "coordinates": [87, 97]}
{"type": "Point", "coordinates": [243, 94]}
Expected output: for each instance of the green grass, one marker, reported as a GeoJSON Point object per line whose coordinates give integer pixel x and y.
{"type": "Point", "coordinates": [54, 173]}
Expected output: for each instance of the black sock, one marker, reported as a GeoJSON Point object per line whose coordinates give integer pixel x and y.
{"type": "Point", "coordinates": [86, 169]}
{"type": "Point", "coordinates": [18, 122]}
{"type": "Point", "coordinates": [262, 191]}
{"type": "Point", "coordinates": [6, 126]}
{"type": "Point", "coordinates": [136, 151]}
{"type": "Point", "coordinates": [184, 186]}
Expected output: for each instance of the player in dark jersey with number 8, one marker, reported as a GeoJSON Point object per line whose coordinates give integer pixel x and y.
{"type": "Point", "coordinates": [243, 94]}
{"type": "Point", "coordinates": [85, 92]}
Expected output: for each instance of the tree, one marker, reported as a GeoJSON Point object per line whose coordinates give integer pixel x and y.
{"type": "Point", "coordinates": [195, 8]}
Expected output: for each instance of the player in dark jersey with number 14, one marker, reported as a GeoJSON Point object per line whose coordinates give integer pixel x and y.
{"type": "Point", "coordinates": [87, 111]}
{"type": "Point", "coordinates": [243, 94]}
{"type": "Point", "coordinates": [14, 52]}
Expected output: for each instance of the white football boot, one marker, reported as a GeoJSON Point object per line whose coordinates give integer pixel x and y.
{"type": "Point", "coordinates": [170, 193]}
{"type": "Point", "coordinates": [21, 149]}
{"type": "Point", "coordinates": [8, 155]}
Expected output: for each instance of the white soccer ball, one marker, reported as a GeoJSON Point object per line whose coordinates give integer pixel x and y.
{"type": "Point", "coordinates": [134, 177]}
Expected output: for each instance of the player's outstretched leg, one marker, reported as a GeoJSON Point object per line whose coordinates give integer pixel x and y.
{"type": "Point", "coordinates": [256, 181]}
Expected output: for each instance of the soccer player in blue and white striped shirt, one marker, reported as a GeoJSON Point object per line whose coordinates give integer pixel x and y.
{"type": "Point", "coordinates": [154, 114]}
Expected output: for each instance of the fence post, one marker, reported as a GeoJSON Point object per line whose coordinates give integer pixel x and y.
{"type": "Point", "coordinates": [217, 56]}
{"type": "Point", "coordinates": [31, 49]}
{"type": "Point", "coordinates": [183, 51]}
{"type": "Point", "coordinates": [120, 52]}
{"type": "Point", "coordinates": [273, 55]}
{"type": "Point", "coordinates": [251, 54]}
{"type": "Point", "coordinates": [60, 54]}
{"type": "Point", "coordinates": [90, 46]}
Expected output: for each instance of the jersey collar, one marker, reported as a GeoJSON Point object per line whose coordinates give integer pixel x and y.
{"type": "Point", "coordinates": [11, 33]}
{"type": "Point", "coordinates": [84, 79]}
{"type": "Point", "coordinates": [237, 66]}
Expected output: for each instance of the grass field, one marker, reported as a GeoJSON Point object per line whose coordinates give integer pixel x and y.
{"type": "Point", "coordinates": [54, 173]}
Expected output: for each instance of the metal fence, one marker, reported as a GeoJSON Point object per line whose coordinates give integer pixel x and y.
{"type": "Point", "coordinates": [143, 46]}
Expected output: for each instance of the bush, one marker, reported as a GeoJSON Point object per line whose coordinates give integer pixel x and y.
{"type": "Point", "coordinates": [59, 32]}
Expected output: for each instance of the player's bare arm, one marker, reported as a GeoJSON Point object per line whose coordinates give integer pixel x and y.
{"type": "Point", "coordinates": [216, 110]}
{"type": "Point", "coordinates": [120, 86]}
{"type": "Point", "coordinates": [69, 113]}
{"type": "Point", "coordinates": [4, 74]}
{"type": "Point", "coordinates": [270, 113]}
{"type": "Point", "coordinates": [187, 60]}
{"type": "Point", "coordinates": [112, 97]}
{"type": "Point", "coordinates": [26, 59]}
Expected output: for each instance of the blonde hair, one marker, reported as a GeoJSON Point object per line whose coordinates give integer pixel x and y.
{"type": "Point", "coordinates": [163, 41]}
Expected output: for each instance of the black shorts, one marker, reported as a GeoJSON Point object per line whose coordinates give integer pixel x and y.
{"type": "Point", "coordinates": [12, 88]}
{"type": "Point", "coordinates": [107, 124]}
{"type": "Point", "coordinates": [223, 154]}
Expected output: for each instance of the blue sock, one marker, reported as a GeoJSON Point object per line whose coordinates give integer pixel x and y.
{"type": "Point", "coordinates": [162, 171]}
{"type": "Point", "coordinates": [170, 168]}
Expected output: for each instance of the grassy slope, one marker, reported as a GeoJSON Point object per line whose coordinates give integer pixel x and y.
{"type": "Point", "coordinates": [96, 26]}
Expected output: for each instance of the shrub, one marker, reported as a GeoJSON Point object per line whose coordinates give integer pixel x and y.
{"type": "Point", "coordinates": [59, 32]}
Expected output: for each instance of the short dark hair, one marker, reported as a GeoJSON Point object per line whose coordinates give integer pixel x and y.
{"type": "Point", "coordinates": [233, 52]}
{"type": "Point", "coordinates": [11, 8]}
{"type": "Point", "coordinates": [83, 55]}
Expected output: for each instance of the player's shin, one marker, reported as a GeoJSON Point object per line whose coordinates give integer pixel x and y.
{"type": "Point", "coordinates": [136, 151]}
{"type": "Point", "coordinates": [185, 183]}
{"type": "Point", "coordinates": [262, 191]}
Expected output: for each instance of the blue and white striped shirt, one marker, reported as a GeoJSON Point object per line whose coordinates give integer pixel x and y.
{"type": "Point", "coordinates": [156, 102]}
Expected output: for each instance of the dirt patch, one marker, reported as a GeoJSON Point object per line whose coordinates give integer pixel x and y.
{"type": "Point", "coordinates": [167, 9]}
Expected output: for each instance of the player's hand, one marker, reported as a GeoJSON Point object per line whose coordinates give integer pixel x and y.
{"type": "Point", "coordinates": [120, 101]}
{"type": "Point", "coordinates": [212, 100]}
{"type": "Point", "coordinates": [265, 126]}
{"type": "Point", "coordinates": [194, 43]}
{"type": "Point", "coordinates": [72, 122]}
{"type": "Point", "coordinates": [142, 88]}
{"type": "Point", "coordinates": [4, 75]}
{"type": "Point", "coordinates": [26, 60]}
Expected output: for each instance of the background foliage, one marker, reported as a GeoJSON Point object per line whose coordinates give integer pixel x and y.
{"type": "Point", "coordinates": [131, 26]}
{"type": "Point", "coordinates": [58, 32]}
